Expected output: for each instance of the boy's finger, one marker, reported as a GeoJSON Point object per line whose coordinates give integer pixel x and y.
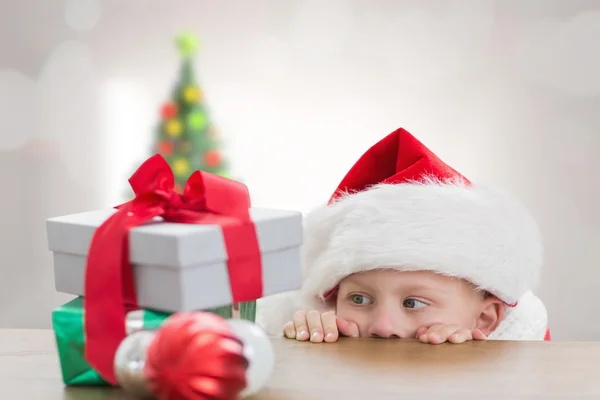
{"type": "Point", "coordinates": [460, 336]}
{"type": "Point", "coordinates": [424, 337]}
{"type": "Point", "coordinates": [478, 335]}
{"type": "Point", "coordinates": [347, 328]}
{"type": "Point", "coordinates": [420, 331]}
{"type": "Point", "coordinates": [437, 334]}
{"type": "Point", "coordinates": [435, 328]}
{"type": "Point", "coordinates": [289, 331]}
{"type": "Point", "coordinates": [353, 329]}
{"type": "Point", "coordinates": [447, 331]}
{"type": "Point", "coordinates": [300, 324]}
{"type": "Point", "coordinates": [315, 326]}
{"type": "Point", "coordinates": [329, 326]}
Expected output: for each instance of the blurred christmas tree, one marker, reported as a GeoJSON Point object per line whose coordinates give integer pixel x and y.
{"type": "Point", "coordinates": [186, 137]}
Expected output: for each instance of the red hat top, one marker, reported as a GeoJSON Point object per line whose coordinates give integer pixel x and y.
{"type": "Point", "coordinates": [397, 158]}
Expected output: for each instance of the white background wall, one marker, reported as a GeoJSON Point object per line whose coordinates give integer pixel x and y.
{"type": "Point", "coordinates": [506, 91]}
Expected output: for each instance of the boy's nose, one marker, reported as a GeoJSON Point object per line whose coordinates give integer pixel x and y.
{"type": "Point", "coordinates": [387, 327]}
{"type": "Point", "coordinates": [392, 336]}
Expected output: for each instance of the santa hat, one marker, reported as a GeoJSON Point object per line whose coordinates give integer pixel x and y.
{"type": "Point", "coordinates": [402, 207]}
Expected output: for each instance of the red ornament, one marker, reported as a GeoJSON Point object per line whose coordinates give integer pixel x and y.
{"type": "Point", "coordinates": [212, 158]}
{"type": "Point", "coordinates": [168, 111]}
{"type": "Point", "coordinates": [165, 148]}
{"type": "Point", "coordinates": [196, 356]}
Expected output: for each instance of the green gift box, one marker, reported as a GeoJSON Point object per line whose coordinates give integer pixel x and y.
{"type": "Point", "coordinates": [67, 322]}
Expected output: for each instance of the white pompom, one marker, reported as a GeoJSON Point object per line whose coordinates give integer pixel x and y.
{"type": "Point", "coordinates": [259, 352]}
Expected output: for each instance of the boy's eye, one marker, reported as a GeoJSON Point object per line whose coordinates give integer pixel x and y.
{"type": "Point", "coordinates": [412, 303]}
{"type": "Point", "coordinates": [359, 299]}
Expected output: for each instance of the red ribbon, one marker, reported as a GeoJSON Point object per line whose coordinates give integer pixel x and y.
{"type": "Point", "coordinates": [109, 285]}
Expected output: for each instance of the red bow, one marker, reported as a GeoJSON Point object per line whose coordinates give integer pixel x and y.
{"type": "Point", "coordinates": [109, 285]}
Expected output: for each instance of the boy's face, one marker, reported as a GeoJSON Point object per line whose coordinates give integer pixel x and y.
{"type": "Point", "coordinates": [390, 303]}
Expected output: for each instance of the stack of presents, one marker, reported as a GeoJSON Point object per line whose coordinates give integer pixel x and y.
{"type": "Point", "coordinates": [164, 253]}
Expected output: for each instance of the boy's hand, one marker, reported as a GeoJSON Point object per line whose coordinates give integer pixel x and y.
{"type": "Point", "coordinates": [317, 327]}
{"type": "Point", "coordinates": [438, 333]}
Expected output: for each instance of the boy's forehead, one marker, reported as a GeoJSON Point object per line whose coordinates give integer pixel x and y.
{"type": "Point", "coordinates": [388, 272]}
{"type": "Point", "coordinates": [391, 275]}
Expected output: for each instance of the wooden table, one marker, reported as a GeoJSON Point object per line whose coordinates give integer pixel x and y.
{"type": "Point", "coordinates": [355, 369]}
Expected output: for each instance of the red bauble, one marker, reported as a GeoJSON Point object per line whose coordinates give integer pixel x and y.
{"type": "Point", "coordinates": [212, 158]}
{"type": "Point", "coordinates": [196, 356]}
{"type": "Point", "coordinates": [165, 148]}
{"type": "Point", "coordinates": [168, 111]}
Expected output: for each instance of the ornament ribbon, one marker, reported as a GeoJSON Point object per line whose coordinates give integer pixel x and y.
{"type": "Point", "coordinates": [109, 284]}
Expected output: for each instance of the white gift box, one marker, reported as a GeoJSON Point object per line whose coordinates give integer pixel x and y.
{"type": "Point", "coordinates": [180, 267]}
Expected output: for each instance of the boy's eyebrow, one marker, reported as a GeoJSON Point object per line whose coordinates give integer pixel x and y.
{"type": "Point", "coordinates": [354, 283]}
{"type": "Point", "coordinates": [406, 288]}
{"type": "Point", "coordinates": [422, 288]}
{"type": "Point", "coordinates": [426, 290]}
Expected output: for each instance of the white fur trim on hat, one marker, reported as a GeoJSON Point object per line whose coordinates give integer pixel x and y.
{"type": "Point", "coordinates": [468, 231]}
{"type": "Point", "coordinates": [527, 321]}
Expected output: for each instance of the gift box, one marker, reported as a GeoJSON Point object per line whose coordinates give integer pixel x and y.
{"type": "Point", "coordinates": [178, 266]}
{"type": "Point", "coordinates": [167, 250]}
{"type": "Point", "coordinates": [68, 325]}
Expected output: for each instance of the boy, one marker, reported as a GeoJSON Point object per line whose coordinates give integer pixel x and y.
{"type": "Point", "coordinates": [409, 248]}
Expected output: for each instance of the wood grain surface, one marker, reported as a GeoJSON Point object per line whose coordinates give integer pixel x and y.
{"type": "Point", "coordinates": [354, 369]}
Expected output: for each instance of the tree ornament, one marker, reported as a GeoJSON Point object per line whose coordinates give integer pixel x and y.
{"type": "Point", "coordinates": [203, 353]}
{"type": "Point", "coordinates": [258, 351]}
{"type": "Point", "coordinates": [165, 148]}
{"type": "Point", "coordinates": [187, 44]}
{"type": "Point", "coordinates": [196, 356]}
{"type": "Point", "coordinates": [174, 127]}
{"type": "Point", "coordinates": [168, 110]}
{"type": "Point", "coordinates": [130, 360]}
{"type": "Point", "coordinates": [197, 120]}
{"type": "Point", "coordinates": [212, 158]}
{"type": "Point", "coordinates": [181, 168]}
{"type": "Point", "coordinates": [191, 94]}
